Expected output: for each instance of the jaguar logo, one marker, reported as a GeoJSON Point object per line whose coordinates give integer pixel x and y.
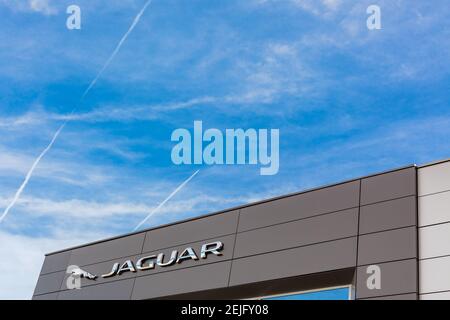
{"type": "Point", "coordinates": [147, 262]}
{"type": "Point", "coordinates": [78, 272]}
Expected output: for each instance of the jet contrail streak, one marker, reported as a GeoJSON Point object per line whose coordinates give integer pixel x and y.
{"type": "Point", "coordinates": [119, 45]}
{"type": "Point", "coordinates": [165, 200]}
{"type": "Point", "coordinates": [30, 172]}
{"type": "Point", "coordinates": [36, 162]}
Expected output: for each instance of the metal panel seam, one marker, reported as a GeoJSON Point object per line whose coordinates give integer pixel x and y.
{"type": "Point", "coordinates": [234, 246]}
{"type": "Point", "coordinates": [357, 239]}
{"type": "Point", "coordinates": [417, 235]}
{"type": "Point", "coordinates": [134, 279]}
{"type": "Point", "coordinates": [60, 285]}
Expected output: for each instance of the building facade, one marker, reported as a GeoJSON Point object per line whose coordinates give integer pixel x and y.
{"type": "Point", "coordinates": [384, 236]}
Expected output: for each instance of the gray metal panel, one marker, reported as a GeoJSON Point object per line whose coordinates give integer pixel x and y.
{"type": "Point", "coordinates": [327, 256]}
{"type": "Point", "coordinates": [194, 279]}
{"type": "Point", "coordinates": [387, 246]}
{"type": "Point", "coordinates": [388, 186]}
{"type": "Point", "coordinates": [56, 262]}
{"type": "Point", "coordinates": [335, 198]}
{"type": "Point", "coordinates": [396, 278]}
{"type": "Point", "coordinates": [49, 282]}
{"type": "Point", "coordinates": [298, 233]}
{"type": "Point", "coordinates": [388, 215]}
{"type": "Point", "coordinates": [191, 231]}
{"type": "Point", "coordinates": [117, 290]}
{"type": "Point", "coordinates": [102, 268]}
{"type": "Point", "coordinates": [48, 296]}
{"type": "Point", "coordinates": [409, 296]}
{"type": "Point", "coordinates": [107, 250]}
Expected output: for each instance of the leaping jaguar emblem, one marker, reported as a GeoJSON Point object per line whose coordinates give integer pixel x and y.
{"type": "Point", "coordinates": [83, 274]}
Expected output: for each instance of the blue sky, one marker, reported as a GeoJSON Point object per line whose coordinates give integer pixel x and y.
{"type": "Point", "coordinates": [348, 102]}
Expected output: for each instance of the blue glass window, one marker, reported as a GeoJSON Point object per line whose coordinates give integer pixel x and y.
{"type": "Point", "coordinates": [330, 294]}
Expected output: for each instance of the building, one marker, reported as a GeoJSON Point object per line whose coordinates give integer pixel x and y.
{"type": "Point", "coordinates": [383, 236]}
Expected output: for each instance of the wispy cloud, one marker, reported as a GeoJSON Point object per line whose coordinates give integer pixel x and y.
{"type": "Point", "coordinates": [81, 212]}
{"type": "Point", "coordinates": [42, 6]}
{"type": "Point", "coordinates": [39, 6]}
{"type": "Point", "coordinates": [75, 208]}
{"type": "Point", "coordinates": [318, 7]}
{"type": "Point", "coordinates": [315, 7]}
{"type": "Point", "coordinates": [127, 113]}
{"type": "Point", "coordinates": [73, 172]}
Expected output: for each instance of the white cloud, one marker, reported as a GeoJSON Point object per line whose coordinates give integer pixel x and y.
{"type": "Point", "coordinates": [332, 4]}
{"type": "Point", "coordinates": [315, 7]}
{"type": "Point", "coordinates": [76, 208]}
{"type": "Point", "coordinates": [28, 118]}
{"type": "Point", "coordinates": [44, 7]}
{"type": "Point", "coordinates": [13, 163]}
{"type": "Point", "coordinates": [262, 85]}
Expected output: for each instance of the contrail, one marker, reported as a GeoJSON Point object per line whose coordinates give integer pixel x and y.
{"type": "Point", "coordinates": [119, 45]}
{"type": "Point", "coordinates": [165, 200]}
{"type": "Point", "coordinates": [30, 172]}
{"type": "Point", "coordinates": [36, 162]}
